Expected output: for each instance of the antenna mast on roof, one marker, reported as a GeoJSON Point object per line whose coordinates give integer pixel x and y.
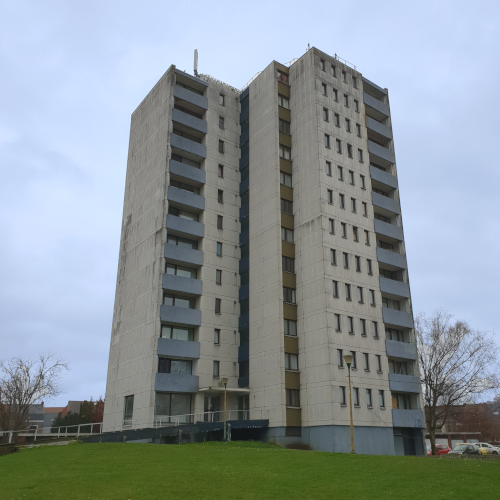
{"type": "Point", "coordinates": [195, 62]}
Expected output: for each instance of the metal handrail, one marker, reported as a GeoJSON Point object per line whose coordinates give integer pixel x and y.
{"type": "Point", "coordinates": [66, 433]}
{"type": "Point", "coordinates": [206, 416]}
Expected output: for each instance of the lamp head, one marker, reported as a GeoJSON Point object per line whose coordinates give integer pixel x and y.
{"type": "Point", "coordinates": [347, 359]}
{"type": "Point", "coordinates": [224, 380]}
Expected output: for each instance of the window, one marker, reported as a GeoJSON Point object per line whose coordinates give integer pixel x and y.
{"type": "Point", "coordinates": [335, 289]}
{"type": "Point", "coordinates": [330, 197]}
{"type": "Point", "coordinates": [356, 105]}
{"type": "Point", "coordinates": [355, 233]}
{"type": "Point", "coordinates": [291, 361]}
{"type": "Point", "coordinates": [351, 177]}
{"type": "Point", "coordinates": [345, 257]}
{"type": "Point", "coordinates": [354, 82]}
{"type": "Point", "coordinates": [328, 169]}
{"type": "Point", "coordinates": [220, 196]}
{"type": "Point", "coordinates": [367, 237]}
{"type": "Point", "coordinates": [375, 329]}
{"type": "Point", "coordinates": [332, 226]}
{"type": "Point", "coordinates": [362, 323]}
{"type": "Point", "coordinates": [187, 161]}
{"type": "Point", "coordinates": [360, 155]}
{"type": "Point", "coordinates": [290, 327]}
{"type": "Point", "coordinates": [175, 366]}
{"type": "Point", "coordinates": [327, 141]}
{"type": "Point", "coordinates": [286, 206]}
{"type": "Point", "coordinates": [353, 205]}
{"type": "Point", "coordinates": [346, 100]}
{"type": "Point", "coordinates": [185, 272]}
{"type": "Point", "coordinates": [363, 186]}
{"type": "Point", "coordinates": [222, 99]}
{"type": "Point", "coordinates": [218, 277]}
{"type": "Point", "coordinates": [354, 365]}
{"type": "Point", "coordinates": [288, 295]}
{"type": "Point", "coordinates": [285, 152]}
{"type": "Point", "coordinates": [383, 218]}
{"type": "Point", "coordinates": [369, 398]}
{"type": "Point", "coordinates": [365, 209]}
{"type": "Point", "coordinates": [338, 325]}
{"type": "Point", "coordinates": [358, 129]}
{"type": "Point", "coordinates": [339, 146]}
{"type": "Point", "coordinates": [396, 335]}
{"type": "Point", "coordinates": [219, 249]}
{"type": "Point", "coordinates": [288, 264]}
{"type": "Point", "coordinates": [284, 127]}
{"type": "Point", "coordinates": [216, 370]}
{"type": "Point", "coordinates": [342, 396]}
{"type": "Point", "coordinates": [184, 187]}
{"type": "Point", "coordinates": [221, 146]}
{"type": "Point", "coordinates": [217, 306]}
{"type": "Point", "coordinates": [360, 294]}
{"type": "Point", "coordinates": [217, 336]}
{"type": "Point", "coordinates": [183, 214]}
{"type": "Point", "coordinates": [221, 171]}
{"type": "Point", "coordinates": [390, 304]}
{"type": "Point", "coordinates": [177, 332]}
{"type": "Point", "coordinates": [283, 102]}
{"type": "Point", "coordinates": [369, 266]}
{"type": "Point", "coordinates": [335, 95]}
{"type": "Point", "coordinates": [325, 114]}
{"type": "Point", "coordinates": [340, 172]}
{"type": "Point", "coordinates": [286, 235]}
{"type": "Point", "coordinates": [221, 122]}
{"type": "Point", "coordinates": [379, 191]}
{"type": "Point", "coordinates": [178, 301]}
{"type": "Point", "coordinates": [336, 119]}
{"type": "Point", "coordinates": [344, 229]}
{"type": "Point", "coordinates": [282, 77]}
{"type": "Point", "coordinates": [182, 242]}
{"type": "Point", "coordinates": [344, 76]}
{"type": "Point", "coordinates": [350, 323]}
{"type": "Point", "coordinates": [333, 257]}
{"type": "Point", "coordinates": [381, 401]}
{"type": "Point", "coordinates": [128, 410]}
{"type": "Point", "coordinates": [219, 222]}
{"type": "Point", "coordinates": [372, 298]}
{"type": "Point", "coordinates": [348, 292]}
{"type": "Point", "coordinates": [379, 362]}
{"type": "Point", "coordinates": [349, 151]}
{"type": "Point", "coordinates": [355, 391]}
{"type": "Point", "coordinates": [366, 357]}
{"type": "Point", "coordinates": [292, 397]}
{"type": "Point", "coordinates": [348, 125]}
{"type": "Point", "coordinates": [322, 64]}
{"type": "Point", "coordinates": [285, 179]}
{"type": "Point", "coordinates": [342, 200]}
{"type": "Point", "coordinates": [333, 71]}
{"type": "Point", "coordinates": [340, 358]}
{"type": "Point", "coordinates": [323, 88]}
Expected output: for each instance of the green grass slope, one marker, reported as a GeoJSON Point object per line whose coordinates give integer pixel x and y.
{"type": "Point", "coordinates": [241, 470]}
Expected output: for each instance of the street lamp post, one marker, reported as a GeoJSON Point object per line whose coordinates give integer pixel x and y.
{"type": "Point", "coordinates": [224, 381]}
{"type": "Point", "coordinates": [348, 362]}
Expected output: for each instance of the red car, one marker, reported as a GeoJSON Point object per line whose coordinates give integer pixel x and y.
{"type": "Point", "coordinates": [441, 449]}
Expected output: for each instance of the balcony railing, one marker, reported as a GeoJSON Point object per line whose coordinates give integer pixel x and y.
{"type": "Point", "coordinates": [210, 416]}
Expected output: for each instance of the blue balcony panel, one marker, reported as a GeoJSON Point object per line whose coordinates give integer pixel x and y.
{"type": "Point", "coordinates": [186, 199]}
{"type": "Point", "coordinates": [381, 107]}
{"type": "Point", "coordinates": [189, 120]}
{"type": "Point", "coordinates": [408, 418]}
{"type": "Point", "coordinates": [172, 382]}
{"type": "Point", "coordinates": [397, 318]}
{"type": "Point", "coordinates": [386, 203]}
{"type": "Point", "coordinates": [381, 152]}
{"type": "Point", "coordinates": [197, 176]}
{"type": "Point", "coordinates": [243, 322]}
{"type": "Point", "coordinates": [188, 96]}
{"type": "Point", "coordinates": [389, 230]}
{"type": "Point", "coordinates": [383, 177]}
{"type": "Point", "coordinates": [180, 284]}
{"type": "Point", "coordinates": [180, 315]}
{"type": "Point", "coordinates": [404, 383]}
{"type": "Point", "coordinates": [394, 287]}
{"type": "Point", "coordinates": [192, 147]}
{"type": "Point", "coordinates": [244, 263]}
{"type": "Point", "coordinates": [243, 353]}
{"type": "Point", "coordinates": [244, 292]}
{"type": "Point", "coordinates": [244, 237]}
{"type": "Point", "coordinates": [244, 211]}
{"type": "Point", "coordinates": [378, 127]}
{"type": "Point", "coordinates": [402, 350]}
{"type": "Point", "coordinates": [183, 255]}
{"type": "Point", "coordinates": [178, 348]}
{"type": "Point", "coordinates": [185, 226]}
{"type": "Point", "coordinates": [391, 258]}
{"type": "Point", "coordinates": [244, 185]}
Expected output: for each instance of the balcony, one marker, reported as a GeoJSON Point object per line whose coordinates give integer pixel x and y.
{"type": "Point", "coordinates": [381, 152]}
{"type": "Point", "coordinates": [376, 104]}
{"type": "Point", "coordinates": [182, 255]}
{"type": "Point", "coordinates": [186, 199]}
{"type": "Point", "coordinates": [383, 177]}
{"type": "Point", "coordinates": [175, 283]}
{"type": "Point", "coordinates": [174, 348]}
{"type": "Point", "coordinates": [191, 147]}
{"type": "Point", "coordinates": [394, 287]}
{"type": "Point", "coordinates": [408, 418]}
{"type": "Point", "coordinates": [185, 227]}
{"type": "Point", "coordinates": [404, 383]}
{"type": "Point", "coordinates": [389, 230]}
{"type": "Point", "coordinates": [180, 171]}
{"type": "Point", "coordinates": [189, 120]}
{"type": "Point", "coordinates": [386, 203]}
{"type": "Point", "coordinates": [397, 318]}
{"type": "Point", "coordinates": [188, 96]}
{"type": "Point", "coordinates": [171, 382]}
{"type": "Point", "coordinates": [180, 315]}
{"type": "Point", "coordinates": [378, 127]}
{"type": "Point", "coordinates": [391, 258]}
{"type": "Point", "coordinates": [401, 350]}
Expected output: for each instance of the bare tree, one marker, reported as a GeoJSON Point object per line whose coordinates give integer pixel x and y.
{"type": "Point", "coordinates": [26, 382]}
{"type": "Point", "coordinates": [457, 365]}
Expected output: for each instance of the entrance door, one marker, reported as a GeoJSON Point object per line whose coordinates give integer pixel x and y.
{"type": "Point", "coordinates": [244, 407]}
{"type": "Point", "coordinates": [211, 408]}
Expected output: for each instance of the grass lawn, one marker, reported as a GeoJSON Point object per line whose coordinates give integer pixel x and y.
{"type": "Point", "coordinates": [238, 470]}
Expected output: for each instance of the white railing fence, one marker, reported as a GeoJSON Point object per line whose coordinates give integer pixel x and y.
{"type": "Point", "coordinates": [63, 431]}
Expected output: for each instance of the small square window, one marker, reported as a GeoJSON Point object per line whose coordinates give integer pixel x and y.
{"type": "Point", "coordinates": [328, 169]}
{"type": "Point", "coordinates": [350, 323]}
{"type": "Point", "coordinates": [323, 88]}
{"type": "Point", "coordinates": [344, 76]}
{"type": "Point", "coordinates": [349, 151]}
{"type": "Point", "coordinates": [339, 146]}
{"type": "Point", "coordinates": [291, 361]}
{"type": "Point", "coordinates": [335, 289]}
{"type": "Point", "coordinates": [322, 64]}
{"type": "Point", "coordinates": [338, 324]}
{"type": "Point", "coordinates": [345, 258]}
{"type": "Point", "coordinates": [362, 177]}
{"type": "Point", "coordinates": [220, 196]}
{"type": "Point", "coordinates": [355, 233]}
{"type": "Point", "coordinates": [375, 327]}
{"type": "Point", "coordinates": [360, 155]}
{"type": "Point", "coordinates": [343, 400]}
{"type": "Point", "coordinates": [351, 177]}
{"type": "Point", "coordinates": [331, 224]}
{"type": "Point", "coordinates": [340, 358]}
{"type": "Point", "coordinates": [344, 229]}
{"type": "Point", "coordinates": [346, 100]}
{"type": "Point", "coordinates": [336, 120]}
{"type": "Point", "coordinates": [354, 82]}
{"type": "Point", "coordinates": [362, 323]}
{"type": "Point", "coordinates": [290, 327]}
{"type": "Point", "coordinates": [358, 129]}
{"type": "Point", "coordinates": [216, 336]}
{"type": "Point", "coordinates": [333, 71]}
{"type": "Point", "coordinates": [372, 297]}
{"type": "Point", "coordinates": [221, 146]}
{"type": "Point", "coordinates": [325, 114]}
{"type": "Point", "coordinates": [330, 197]}
{"type": "Point", "coordinates": [221, 171]}
{"type": "Point", "coordinates": [219, 249]}
{"type": "Point", "coordinates": [355, 393]}
{"type": "Point", "coordinates": [333, 257]}
{"type": "Point", "coordinates": [335, 95]}
{"type": "Point", "coordinates": [369, 398]}
{"type": "Point", "coordinates": [365, 209]}
{"type": "Point", "coordinates": [348, 125]}
{"type": "Point", "coordinates": [216, 368]}
{"type": "Point", "coordinates": [219, 222]}
{"type": "Point", "coordinates": [221, 122]}
{"type": "Point", "coordinates": [353, 205]}
{"type": "Point", "coordinates": [367, 238]}
{"type": "Point", "coordinates": [217, 306]}
{"type": "Point", "coordinates": [327, 141]}
{"type": "Point", "coordinates": [222, 99]}
{"type": "Point", "coordinates": [356, 105]}
{"type": "Point", "coordinates": [358, 270]}
{"type": "Point", "coordinates": [340, 172]}
{"type": "Point", "coordinates": [342, 200]}
{"type": "Point", "coordinates": [218, 277]}
{"type": "Point", "coordinates": [369, 266]}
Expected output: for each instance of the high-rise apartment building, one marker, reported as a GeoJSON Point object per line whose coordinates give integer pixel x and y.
{"type": "Point", "coordinates": [262, 240]}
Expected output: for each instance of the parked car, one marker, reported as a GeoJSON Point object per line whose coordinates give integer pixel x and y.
{"type": "Point", "coordinates": [467, 449]}
{"type": "Point", "coordinates": [441, 449]}
{"type": "Point", "coordinates": [490, 449]}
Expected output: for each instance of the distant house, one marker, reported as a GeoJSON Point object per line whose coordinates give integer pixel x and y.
{"type": "Point", "coordinates": [50, 413]}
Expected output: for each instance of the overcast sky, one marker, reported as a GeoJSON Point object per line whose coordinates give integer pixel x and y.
{"type": "Point", "coordinates": [73, 72]}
